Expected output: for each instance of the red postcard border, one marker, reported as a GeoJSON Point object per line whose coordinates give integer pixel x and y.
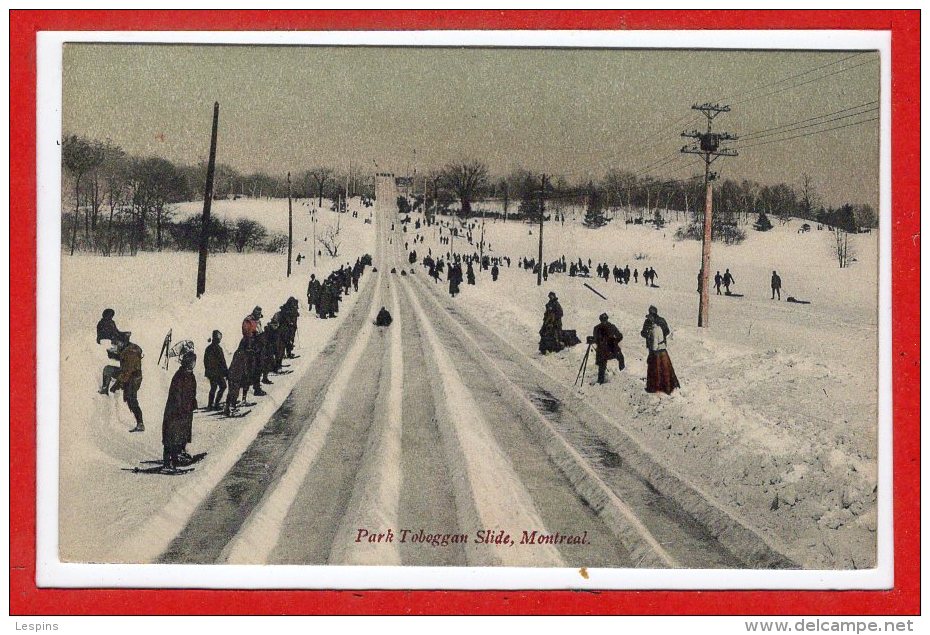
{"type": "Point", "coordinates": [904, 598]}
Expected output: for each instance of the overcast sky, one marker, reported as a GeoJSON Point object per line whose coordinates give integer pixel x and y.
{"type": "Point", "coordinates": [563, 111]}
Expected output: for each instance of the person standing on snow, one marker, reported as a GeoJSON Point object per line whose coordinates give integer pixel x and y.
{"type": "Point", "coordinates": [238, 379]}
{"type": "Point", "coordinates": [550, 334]}
{"type": "Point", "coordinates": [728, 279]}
{"type": "Point", "coordinates": [178, 420]}
{"type": "Point", "coordinates": [607, 338]}
{"type": "Point", "coordinates": [776, 285]}
{"type": "Point", "coordinates": [660, 374]}
{"type": "Point", "coordinates": [215, 370]}
{"type": "Point", "coordinates": [314, 289]}
{"type": "Point", "coordinates": [718, 280]}
{"type": "Point", "coordinates": [251, 328]}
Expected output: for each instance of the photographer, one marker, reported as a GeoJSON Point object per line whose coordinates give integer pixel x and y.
{"type": "Point", "coordinates": [607, 338]}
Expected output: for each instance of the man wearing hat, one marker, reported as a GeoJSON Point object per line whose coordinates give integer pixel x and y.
{"type": "Point", "coordinates": [607, 338]}
{"type": "Point", "coordinates": [129, 377]}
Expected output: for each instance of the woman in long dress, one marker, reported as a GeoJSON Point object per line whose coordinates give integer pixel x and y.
{"type": "Point", "coordinates": [660, 374]}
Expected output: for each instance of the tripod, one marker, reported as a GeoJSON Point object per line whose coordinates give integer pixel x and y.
{"type": "Point", "coordinates": [583, 367]}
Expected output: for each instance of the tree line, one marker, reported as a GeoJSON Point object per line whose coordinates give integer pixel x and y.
{"type": "Point", "coordinates": [123, 204]}
{"type": "Point", "coordinates": [116, 203]}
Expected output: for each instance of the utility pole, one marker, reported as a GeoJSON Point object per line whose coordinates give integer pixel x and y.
{"type": "Point", "coordinates": [207, 201]}
{"type": "Point", "coordinates": [709, 148]}
{"type": "Point", "coordinates": [314, 239]}
{"type": "Point", "coordinates": [481, 244]}
{"type": "Point", "coordinates": [542, 214]}
{"type": "Point", "coordinates": [290, 226]}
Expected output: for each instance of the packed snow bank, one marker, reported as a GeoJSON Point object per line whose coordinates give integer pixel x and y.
{"type": "Point", "coordinates": [777, 415]}
{"type": "Point", "coordinates": [107, 514]}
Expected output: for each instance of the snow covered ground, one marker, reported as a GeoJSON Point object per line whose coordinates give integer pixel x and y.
{"type": "Point", "coordinates": [777, 416]}
{"type": "Point", "coordinates": [775, 421]}
{"type": "Point", "coordinates": [111, 515]}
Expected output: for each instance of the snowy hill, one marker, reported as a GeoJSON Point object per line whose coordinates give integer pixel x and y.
{"type": "Point", "coordinates": [777, 415]}
{"type": "Point", "coordinates": [130, 515]}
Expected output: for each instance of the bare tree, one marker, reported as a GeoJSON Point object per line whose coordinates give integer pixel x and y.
{"type": "Point", "coordinates": [808, 196]}
{"type": "Point", "coordinates": [330, 239]}
{"type": "Point", "coordinates": [114, 177]}
{"type": "Point", "coordinates": [466, 179]}
{"type": "Point", "coordinates": [321, 175]}
{"type": "Point", "coordinates": [841, 248]}
{"type": "Point", "coordinates": [79, 156]}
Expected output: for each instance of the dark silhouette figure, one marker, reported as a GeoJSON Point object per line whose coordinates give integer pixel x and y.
{"type": "Point", "coordinates": [550, 334]}
{"type": "Point", "coordinates": [607, 338]}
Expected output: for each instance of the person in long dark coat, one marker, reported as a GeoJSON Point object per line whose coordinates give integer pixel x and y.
{"type": "Point", "coordinates": [290, 312]}
{"type": "Point", "coordinates": [238, 378]}
{"type": "Point", "coordinates": [550, 334]}
{"type": "Point", "coordinates": [455, 279]}
{"type": "Point", "coordinates": [660, 374]}
{"type": "Point", "coordinates": [177, 424]}
{"type": "Point", "coordinates": [314, 289]}
{"type": "Point", "coordinates": [607, 338]}
{"type": "Point", "coordinates": [216, 371]}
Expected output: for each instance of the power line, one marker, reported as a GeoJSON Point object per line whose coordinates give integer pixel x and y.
{"type": "Point", "coordinates": [810, 125]}
{"type": "Point", "coordinates": [646, 150]}
{"type": "Point", "coordinates": [815, 79]}
{"type": "Point", "coordinates": [808, 134]}
{"type": "Point", "coordinates": [752, 134]}
{"type": "Point", "coordinates": [801, 74]}
{"type": "Point", "coordinates": [675, 156]}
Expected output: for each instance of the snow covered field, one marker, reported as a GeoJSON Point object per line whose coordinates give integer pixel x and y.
{"type": "Point", "coordinates": [110, 515]}
{"type": "Point", "coordinates": [775, 421]}
{"type": "Point", "coordinates": [777, 416]}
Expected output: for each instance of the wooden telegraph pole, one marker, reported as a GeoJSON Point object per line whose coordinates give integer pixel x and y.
{"type": "Point", "coordinates": [290, 226]}
{"type": "Point", "coordinates": [207, 201]}
{"type": "Point", "coordinates": [542, 214]}
{"type": "Point", "coordinates": [709, 149]}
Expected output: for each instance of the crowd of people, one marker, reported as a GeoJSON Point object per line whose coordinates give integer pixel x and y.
{"type": "Point", "coordinates": [325, 296]}
{"type": "Point", "coordinates": [261, 351]}
{"type": "Point", "coordinates": [458, 267]}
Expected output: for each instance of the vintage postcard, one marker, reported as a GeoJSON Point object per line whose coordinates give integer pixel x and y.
{"type": "Point", "coordinates": [499, 310]}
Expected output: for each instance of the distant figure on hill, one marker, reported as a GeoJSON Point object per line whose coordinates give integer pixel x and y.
{"type": "Point", "coordinates": [776, 285]}
{"type": "Point", "coordinates": [494, 272]}
{"type": "Point", "coordinates": [728, 279]}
